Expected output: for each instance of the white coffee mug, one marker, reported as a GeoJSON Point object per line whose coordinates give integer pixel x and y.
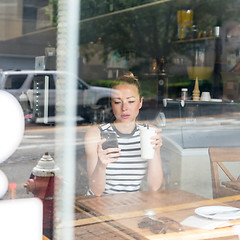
{"type": "Point", "coordinates": [147, 150]}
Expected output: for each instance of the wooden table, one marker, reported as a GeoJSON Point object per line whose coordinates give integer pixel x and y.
{"type": "Point", "coordinates": [117, 216]}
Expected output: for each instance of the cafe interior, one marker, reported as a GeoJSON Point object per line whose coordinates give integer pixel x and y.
{"type": "Point", "coordinates": [186, 56]}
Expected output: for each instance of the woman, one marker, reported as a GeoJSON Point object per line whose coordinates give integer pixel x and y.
{"type": "Point", "coordinates": [118, 170]}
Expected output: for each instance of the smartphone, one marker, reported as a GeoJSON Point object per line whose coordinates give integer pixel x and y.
{"type": "Point", "coordinates": [111, 141]}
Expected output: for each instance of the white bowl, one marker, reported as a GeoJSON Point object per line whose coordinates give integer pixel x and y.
{"type": "Point", "coordinates": [205, 96]}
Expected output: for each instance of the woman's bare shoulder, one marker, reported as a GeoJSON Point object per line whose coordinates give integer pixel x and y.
{"type": "Point", "coordinates": [93, 132]}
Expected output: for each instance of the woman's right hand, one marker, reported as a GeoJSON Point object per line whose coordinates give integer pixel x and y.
{"type": "Point", "coordinates": [108, 155]}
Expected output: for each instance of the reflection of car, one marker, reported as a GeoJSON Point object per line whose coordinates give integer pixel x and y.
{"type": "Point", "coordinates": [28, 86]}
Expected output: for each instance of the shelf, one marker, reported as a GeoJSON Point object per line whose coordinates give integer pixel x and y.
{"type": "Point", "coordinates": [195, 40]}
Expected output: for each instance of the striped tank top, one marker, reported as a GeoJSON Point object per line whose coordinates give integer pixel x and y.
{"type": "Point", "coordinates": [126, 174]}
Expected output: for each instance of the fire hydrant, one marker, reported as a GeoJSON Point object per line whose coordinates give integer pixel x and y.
{"type": "Point", "coordinates": [41, 184]}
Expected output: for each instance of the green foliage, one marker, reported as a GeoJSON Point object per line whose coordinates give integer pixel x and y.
{"type": "Point", "coordinates": [109, 83]}
{"type": "Point", "coordinates": [92, 8]}
{"type": "Point", "coordinates": [142, 31]}
{"type": "Point", "coordinates": [149, 86]}
{"type": "Point", "coordinates": [147, 32]}
{"type": "Point", "coordinates": [53, 12]}
{"type": "Point", "coordinates": [100, 83]}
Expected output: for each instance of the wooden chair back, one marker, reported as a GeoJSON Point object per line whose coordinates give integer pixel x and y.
{"type": "Point", "coordinates": [217, 158]}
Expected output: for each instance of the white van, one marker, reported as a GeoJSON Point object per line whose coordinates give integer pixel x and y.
{"type": "Point", "coordinates": [93, 103]}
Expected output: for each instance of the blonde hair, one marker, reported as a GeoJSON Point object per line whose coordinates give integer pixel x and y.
{"type": "Point", "coordinates": [127, 78]}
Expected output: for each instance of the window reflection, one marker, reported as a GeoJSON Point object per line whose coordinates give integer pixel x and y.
{"type": "Point", "coordinates": [167, 45]}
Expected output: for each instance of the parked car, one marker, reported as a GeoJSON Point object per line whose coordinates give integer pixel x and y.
{"type": "Point", "coordinates": [28, 86]}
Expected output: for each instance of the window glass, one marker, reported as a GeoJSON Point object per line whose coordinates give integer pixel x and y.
{"type": "Point", "coordinates": [81, 86]}
{"type": "Point", "coordinates": [182, 62]}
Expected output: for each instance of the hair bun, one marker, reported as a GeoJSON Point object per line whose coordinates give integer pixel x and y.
{"type": "Point", "coordinates": [129, 75]}
{"type": "Point", "coordinates": [128, 78]}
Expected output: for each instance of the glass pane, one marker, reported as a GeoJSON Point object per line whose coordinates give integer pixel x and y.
{"type": "Point", "coordinates": [185, 56]}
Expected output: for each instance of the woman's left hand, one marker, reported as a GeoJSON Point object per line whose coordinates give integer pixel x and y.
{"type": "Point", "coordinates": [157, 139]}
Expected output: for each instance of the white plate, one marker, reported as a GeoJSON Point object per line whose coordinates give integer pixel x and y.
{"type": "Point", "coordinates": [219, 212]}
{"type": "Point", "coordinates": [216, 100]}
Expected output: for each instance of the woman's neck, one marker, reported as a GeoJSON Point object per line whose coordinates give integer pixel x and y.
{"type": "Point", "coordinates": [126, 128]}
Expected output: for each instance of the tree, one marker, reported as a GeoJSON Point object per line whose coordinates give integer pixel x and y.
{"type": "Point", "coordinates": [53, 11]}
{"type": "Point", "coordinates": [147, 31]}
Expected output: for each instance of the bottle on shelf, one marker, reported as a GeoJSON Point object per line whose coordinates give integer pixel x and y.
{"type": "Point", "coordinates": [184, 94]}
{"type": "Point", "coordinates": [12, 190]}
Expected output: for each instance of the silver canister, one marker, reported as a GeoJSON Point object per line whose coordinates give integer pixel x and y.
{"type": "Point", "coordinates": [184, 94]}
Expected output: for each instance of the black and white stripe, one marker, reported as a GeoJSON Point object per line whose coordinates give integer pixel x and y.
{"type": "Point", "coordinates": [126, 174]}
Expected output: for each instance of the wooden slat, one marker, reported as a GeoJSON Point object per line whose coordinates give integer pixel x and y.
{"type": "Point", "coordinates": [232, 184]}
{"type": "Point", "coordinates": [225, 154]}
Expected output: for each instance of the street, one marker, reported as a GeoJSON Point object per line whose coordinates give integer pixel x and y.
{"type": "Point", "coordinates": [37, 140]}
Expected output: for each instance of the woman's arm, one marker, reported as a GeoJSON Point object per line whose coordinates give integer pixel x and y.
{"type": "Point", "coordinates": [97, 160]}
{"type": "Point", "coordinates": [155, 172]}
{"type": "Point", "coordinates": [95, 170]}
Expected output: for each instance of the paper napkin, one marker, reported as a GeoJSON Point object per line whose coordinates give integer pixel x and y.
{"type": "Point", "coordinates": [204, 223]}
